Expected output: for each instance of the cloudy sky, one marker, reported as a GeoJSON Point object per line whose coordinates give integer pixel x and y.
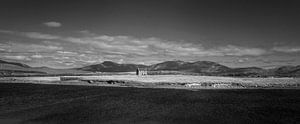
{"type": "Point", "coordinates": [71, 33]}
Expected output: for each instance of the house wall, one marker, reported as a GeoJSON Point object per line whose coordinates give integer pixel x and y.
{"type": "Point", "coordinates": [141, 72]}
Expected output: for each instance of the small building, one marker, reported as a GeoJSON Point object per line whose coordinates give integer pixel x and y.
{"type": "Point", "coordinates": [141, 71]}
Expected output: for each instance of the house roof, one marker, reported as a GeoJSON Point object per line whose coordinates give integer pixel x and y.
{"type": "Point", "coordinates": [143, 69]}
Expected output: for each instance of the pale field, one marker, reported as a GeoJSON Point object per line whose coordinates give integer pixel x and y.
{"type": "Point", "coordinates": [38, 78]}
{"type": "Point", "coordinates": [164, 78]}
{"type": "Point", "coordinates": [169, 79]}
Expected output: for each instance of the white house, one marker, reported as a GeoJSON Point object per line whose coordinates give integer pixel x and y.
{"type": "Point", "coordinates": [141, 71]}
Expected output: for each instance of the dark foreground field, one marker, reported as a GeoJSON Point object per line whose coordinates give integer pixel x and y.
{"type": "Point", "coordinates": [35, 104]}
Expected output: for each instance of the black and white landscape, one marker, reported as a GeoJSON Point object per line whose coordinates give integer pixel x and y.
{"type": "Point", "coordinates": [149, 61]}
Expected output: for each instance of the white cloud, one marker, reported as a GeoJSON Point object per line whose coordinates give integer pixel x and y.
{"type": "Point", "coordinates": [151, 46]}
{"type": "Point", "coordinates": [105, 38]}
{"type": "Point", "coordinates": [6, 31]}
{"type": "Point", "coordinates": [232, 50]}
{"type": "Point", "coordinates": [67, 53]}
{"type": "Point", "coordinates": [90, 61]}
{"type": "Point", "coordinates": [53, 24]}
{"type": "Point", "coordinates": [69, 63]}
{"type": "Point", "coordinates": [88, 52]}
{"type": "Point", "coordinates": [32, 35]}
{"type": "Point", "coordinates": [51, 43]}
{"type": "Point", "coordinates": [37, 56]}
{"type": "Point", "coordinates": [40, 48]}
{"type": "Point", "coordinates": [4, 47]}
{"type": "Point", "coordinates": [86, 33]}
{"type": "Point", "coordinates": [17, 57]}
{"type": "Point", "coordinates": [287, 49]}
{"type": "Point", "coordinates": [127, 48]}
{"type": "Point", "coordinates": [21, 47]}
{"type": "Point", "coordinates": [37, 35]}
{"type": "Point", "coordinates": [242, 60]}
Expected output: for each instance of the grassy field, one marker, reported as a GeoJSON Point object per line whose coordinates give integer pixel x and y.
{"type": "Point", "coordinates": [166, 81]}
{"type": "Point", "coordinates": [40, 103]}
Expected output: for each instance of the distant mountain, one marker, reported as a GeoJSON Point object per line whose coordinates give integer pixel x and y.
{"type": "Point", "coordinates": [196, 67]}
{"type": "Point", "coordinates": [287, 71]}
{"type": "Point", "coordinates": [5, 63]}
{"type": "Point", "coordinates": [108, 66]}
{"type": "Point", "coordinates": [199, 67]}
{"type": "Point", "coordinates": [247, 72]}
{"type": "Point", "coordinates": [13, 68]}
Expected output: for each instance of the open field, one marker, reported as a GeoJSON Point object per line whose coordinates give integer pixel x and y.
{"type": "Point", "coordinates": [52, 104]}
{"type": "Point", "coordinates": [162, 81]}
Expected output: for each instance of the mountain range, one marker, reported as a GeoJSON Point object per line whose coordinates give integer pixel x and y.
{"type": "Point", "coordinates": [167, 67]}
{"type": "Point", "coordinates": [16, 69]}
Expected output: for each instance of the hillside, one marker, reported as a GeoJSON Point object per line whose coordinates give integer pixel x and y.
{"type": "Point", "coordinates": [13, 64]}
{"type": "Point", "coordinates": [199, 67]}
{"type": "Point", "coordinates": [108, 66]}
{"type": "Point", "coordinates": [175, 67]}
{"type": "Point", "coordinates": [13, 68]}
{"type": "Point", "coordinates": [247, 72]}
{"type": "Point", "coordinates": [287, 71]}
{"type": "Point", "coordinates": [195, 67]}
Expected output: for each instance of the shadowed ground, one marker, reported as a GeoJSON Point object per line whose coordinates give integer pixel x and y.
{"type": "Point", "coordinates": [35, 104]}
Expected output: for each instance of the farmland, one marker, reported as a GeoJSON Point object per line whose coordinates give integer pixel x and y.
{"type": "Point", "coordinates": [42, 103]}
{"type": "Point", "coordinates": [148, 99]}
{"type": "Point", "coordinates": [162, 81]}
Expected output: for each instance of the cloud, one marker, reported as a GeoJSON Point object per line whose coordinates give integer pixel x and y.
{"type": "Point", "coordinates": [232, 50]}
{"type": "Point", "coordinates": [37, 56]}
{"type": "Point", "coordinates": [127, 45]}
{"type": "Point", "coordinates": [4, 47]}
{"type": "Point", "coordinates": [67, 53]}
{"type": "Point", "coordinates": [69, 63]}
{"type": "Point", "coordinates": [17, 57]}
{"type": "Point", "coordinates": [264, 60]}
{"type": "Point", "coordinates": [96, 48]}
{"type": "Point", "coordinates": [27, 48]}
{"type": "Point", "coordinates": [90, 61]}
{"type": "Point", "coordinates": [32, 35]}
{"type": "Point", "coordinates": [105, 38]}
{"type": "Point", "coordinates": [40, 48]}
{"type": "Point", "coordinates": [286, 49]}
{"type": "Point", "coordinates": [242, 60]}
{"type": "Point", "coordinates": [37, 35]}
{"type": "Point", "coordinates": [53, 24]}
{"type": "Point", "coordinates": [6, 31]}
{"type": "Point", "coordinates": [86, 33]}
{"type": "Point", "coordinates": [155, 46]}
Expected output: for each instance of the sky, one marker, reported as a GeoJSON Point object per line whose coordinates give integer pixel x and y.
{"type": "Point", "coordinates": [76, 33]}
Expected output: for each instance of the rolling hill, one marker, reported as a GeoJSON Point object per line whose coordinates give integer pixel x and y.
{"type": "Point", "coordinates": [287, 71]}
{"type": "Point", "coordinates": [13, 64]}
{"type": "Point", "coordinates": [195, 67]}
{"type": "Point", "coordinates": [108, 66]}
{"type": "Point", "coordinates": [198, 67]}
{"type": "Point", "coordinates": [247, 72]}
{"type": "Point", "coordinates": [13, 68]}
